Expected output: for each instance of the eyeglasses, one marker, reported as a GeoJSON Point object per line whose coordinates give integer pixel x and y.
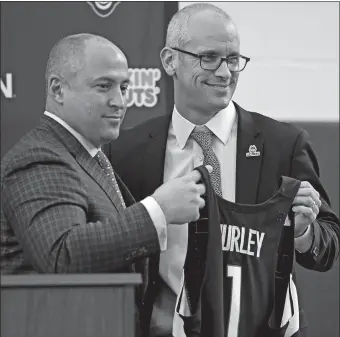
{"type": "Point", "coordinates": [213, 61]}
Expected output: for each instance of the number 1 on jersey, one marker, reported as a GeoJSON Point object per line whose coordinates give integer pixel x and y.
{"type": "Point", "coordinates": [235, 273]}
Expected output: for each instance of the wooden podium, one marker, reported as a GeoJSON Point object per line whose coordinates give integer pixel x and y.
{"type": "Point", "coordinates": [68, 305]}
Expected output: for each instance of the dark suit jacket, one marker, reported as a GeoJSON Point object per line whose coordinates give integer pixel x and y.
{"type": "Point", "coordinates": [285, 150]}
{"type": "Point", "coordinates": [60, 212]}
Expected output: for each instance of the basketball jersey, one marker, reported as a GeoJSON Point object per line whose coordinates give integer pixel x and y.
{"type": "Point", "coordinates": [257, 296]}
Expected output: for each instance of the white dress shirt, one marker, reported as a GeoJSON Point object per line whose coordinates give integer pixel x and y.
{"type": "Point", "coordinates": [151, 205]}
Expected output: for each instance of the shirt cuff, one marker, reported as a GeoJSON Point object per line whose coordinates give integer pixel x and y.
{"type": "Point", "coordinates": [158, 218]}
{"type": "Point", "coordinates": [304, 242]}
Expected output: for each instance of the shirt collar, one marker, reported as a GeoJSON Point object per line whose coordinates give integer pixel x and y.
{"type": "Point", "coordinates": [91, 149]}
{"type": "Point", "coordinates": [221, 125]}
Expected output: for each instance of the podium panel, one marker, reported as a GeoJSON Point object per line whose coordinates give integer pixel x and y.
{"type": "Point", "coordinates": [91, 305]}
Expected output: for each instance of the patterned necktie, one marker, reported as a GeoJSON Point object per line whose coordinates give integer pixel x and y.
{"type": "Point", "coordinates": [108, 170]}
{"type": "Point", "coordinates": [203, 136]}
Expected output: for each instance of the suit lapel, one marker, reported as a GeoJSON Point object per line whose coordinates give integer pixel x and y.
{"type": "Point", "coordinates": [91, 166]}
{"type": "Point", "coordinates": [153, 161]}
{"type": "Point", "coordinates": [83, 158]}
{"type": "Point", "coordinates": [248, 167]}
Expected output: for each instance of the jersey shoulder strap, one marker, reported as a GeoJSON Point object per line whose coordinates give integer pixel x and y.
{"type": "Point", "coordinates": [283, 320]}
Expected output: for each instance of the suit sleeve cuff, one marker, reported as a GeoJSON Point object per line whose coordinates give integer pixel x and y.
{"type": "Point", "coordinates": [158, 218]}
{"type": "Point", "coordinates": [304, 242]}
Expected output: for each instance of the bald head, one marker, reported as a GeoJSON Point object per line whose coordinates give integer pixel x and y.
{"type": "Point", "coordinates": [178, 34]}
{"type": "Point", "coordinates": [87, 80]}
{"type": "Point", "coordinates": [67, 57]}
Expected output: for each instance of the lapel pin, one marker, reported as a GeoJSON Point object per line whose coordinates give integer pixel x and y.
{"type": "Point", "coordinates": [252, 151]}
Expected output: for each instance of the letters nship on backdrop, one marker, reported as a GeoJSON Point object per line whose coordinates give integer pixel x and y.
{"type": "Point", "coordinates": [30, 29]}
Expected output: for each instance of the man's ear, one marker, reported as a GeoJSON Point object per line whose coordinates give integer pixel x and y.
{"type": "Point", "coordinates": [169, 60]}
{"type": "Point", "coordinates": [55, 88]}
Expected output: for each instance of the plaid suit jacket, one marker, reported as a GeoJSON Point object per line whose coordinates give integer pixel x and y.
{"type": "Point", "coordinates": [59, 211]}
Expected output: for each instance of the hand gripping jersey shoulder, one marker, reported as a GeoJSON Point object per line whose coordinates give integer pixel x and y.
{"type": "Point", "coordinates": [247, 289]}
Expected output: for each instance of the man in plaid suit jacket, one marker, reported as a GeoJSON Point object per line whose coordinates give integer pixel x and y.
{"type": "Point", "coordinates": [61, 213]}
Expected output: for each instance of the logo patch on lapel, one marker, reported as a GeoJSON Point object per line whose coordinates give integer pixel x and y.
{"type": "Point", "coordinates": [252, 151]}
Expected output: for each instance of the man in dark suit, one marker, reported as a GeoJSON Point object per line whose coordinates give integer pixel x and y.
{"type": "Point", "coordinates": [202, 54]}
{"type": "Point", "coordinates": [63, 209]}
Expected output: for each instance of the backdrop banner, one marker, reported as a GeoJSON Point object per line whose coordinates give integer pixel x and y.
{"type": "Point", "coordinates": [30, 29]}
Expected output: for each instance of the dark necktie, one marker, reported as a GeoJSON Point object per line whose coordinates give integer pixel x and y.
{"type": "Point", "coordinates": [203, 136]}
{"type": "Point", "coordinates": [108, 170]}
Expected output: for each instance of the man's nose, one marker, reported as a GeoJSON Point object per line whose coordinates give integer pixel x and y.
{"type": "Point", "coordinates": [117, 99]}
{"type": "Point", "coordinates": [223, 70]}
